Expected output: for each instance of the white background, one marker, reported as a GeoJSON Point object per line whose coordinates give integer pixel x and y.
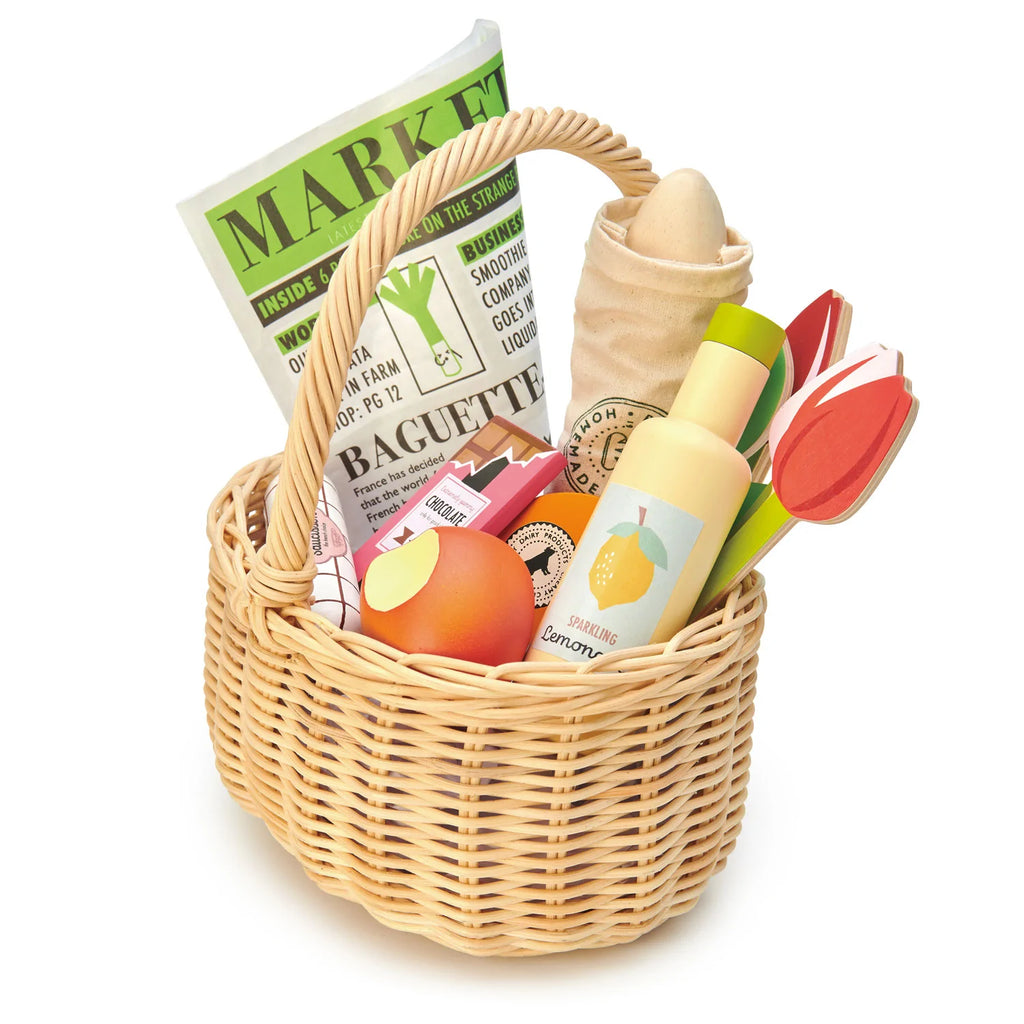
{"type": "Point", "coordinates": [871, 148]}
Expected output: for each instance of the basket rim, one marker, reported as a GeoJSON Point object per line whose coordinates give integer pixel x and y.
{"type": "Point", "coordinates": [298, 631]}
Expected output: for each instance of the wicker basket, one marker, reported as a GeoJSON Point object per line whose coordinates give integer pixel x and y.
{"type": "Point", "coordinates": [506, 811]}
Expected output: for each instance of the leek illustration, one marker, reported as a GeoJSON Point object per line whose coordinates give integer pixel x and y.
{"type": "Point", "coordinates": [411, 295]}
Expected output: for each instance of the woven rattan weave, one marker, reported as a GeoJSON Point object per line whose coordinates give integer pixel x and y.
{"type": "Point", "coordinates": [508, 811]}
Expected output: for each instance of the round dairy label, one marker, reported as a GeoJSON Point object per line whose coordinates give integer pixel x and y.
{"type": "Point", "coordinates": [547, 550]}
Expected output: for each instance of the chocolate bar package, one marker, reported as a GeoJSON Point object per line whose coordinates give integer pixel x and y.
{"type": "Point", "coordinates": [485, 484]}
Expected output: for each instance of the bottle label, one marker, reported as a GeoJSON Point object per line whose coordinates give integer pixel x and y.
{"type": "Point", "coordinates": [623, 574]}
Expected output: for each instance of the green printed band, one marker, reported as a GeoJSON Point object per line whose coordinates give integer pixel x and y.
{"type": "Point", "coordinates": [493, 238]}
{"type": "Point", "coordinates": [315, 204]}
{"type": "Point", "coordinates": [296, 336]}
{"type": "Point", "coordinates": [477, 200]}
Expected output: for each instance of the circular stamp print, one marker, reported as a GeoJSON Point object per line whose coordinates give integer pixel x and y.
{"type": "Point", "coordinates": [546, 549]}
{"type": "Point", "coordinates": [597, 439]}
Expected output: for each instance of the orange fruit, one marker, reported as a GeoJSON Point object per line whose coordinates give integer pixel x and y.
{"type": "Point", "coordinates": [452, 591]}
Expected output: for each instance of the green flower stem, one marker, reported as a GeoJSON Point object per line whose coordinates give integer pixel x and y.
{"type": "Point", "coordinates": [755, 536]}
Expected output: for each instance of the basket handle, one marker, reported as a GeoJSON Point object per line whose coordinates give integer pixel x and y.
{"type": "Point", "coordinates": [283, 571]}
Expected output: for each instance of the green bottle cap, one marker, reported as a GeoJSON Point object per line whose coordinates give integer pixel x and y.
{"type": "Point", "coordinates": [743, 329]}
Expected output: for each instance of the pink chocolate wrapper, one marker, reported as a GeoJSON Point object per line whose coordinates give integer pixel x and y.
{"type": "Point", "coordinates": [485, 485]}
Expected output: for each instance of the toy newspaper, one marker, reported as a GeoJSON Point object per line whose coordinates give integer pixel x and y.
{"type": "Point", "coordinates": [450, 338]}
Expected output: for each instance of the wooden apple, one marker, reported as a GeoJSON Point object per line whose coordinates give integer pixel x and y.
{"type": "Point", "coordinates": [452, 591]}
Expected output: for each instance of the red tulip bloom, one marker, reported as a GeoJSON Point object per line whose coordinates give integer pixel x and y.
{"type": "Point", "coordinates": [833, 439]}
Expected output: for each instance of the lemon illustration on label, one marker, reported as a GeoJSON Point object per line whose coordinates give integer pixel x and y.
{"type": "Point", "coordinates": [624, 567]}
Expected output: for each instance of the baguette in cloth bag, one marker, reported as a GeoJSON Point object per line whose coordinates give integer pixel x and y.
{"type": "Point", "coordinates": [511, 811]}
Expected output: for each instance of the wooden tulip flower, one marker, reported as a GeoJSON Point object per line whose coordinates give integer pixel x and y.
{"type": "Point", "coordinates": [830, 445]}
{"type": "Point", "coordinates": [815, 339]}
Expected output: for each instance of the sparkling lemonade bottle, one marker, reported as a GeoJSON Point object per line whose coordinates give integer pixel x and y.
{"type": "Point", "coordinates": [668, 504]}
